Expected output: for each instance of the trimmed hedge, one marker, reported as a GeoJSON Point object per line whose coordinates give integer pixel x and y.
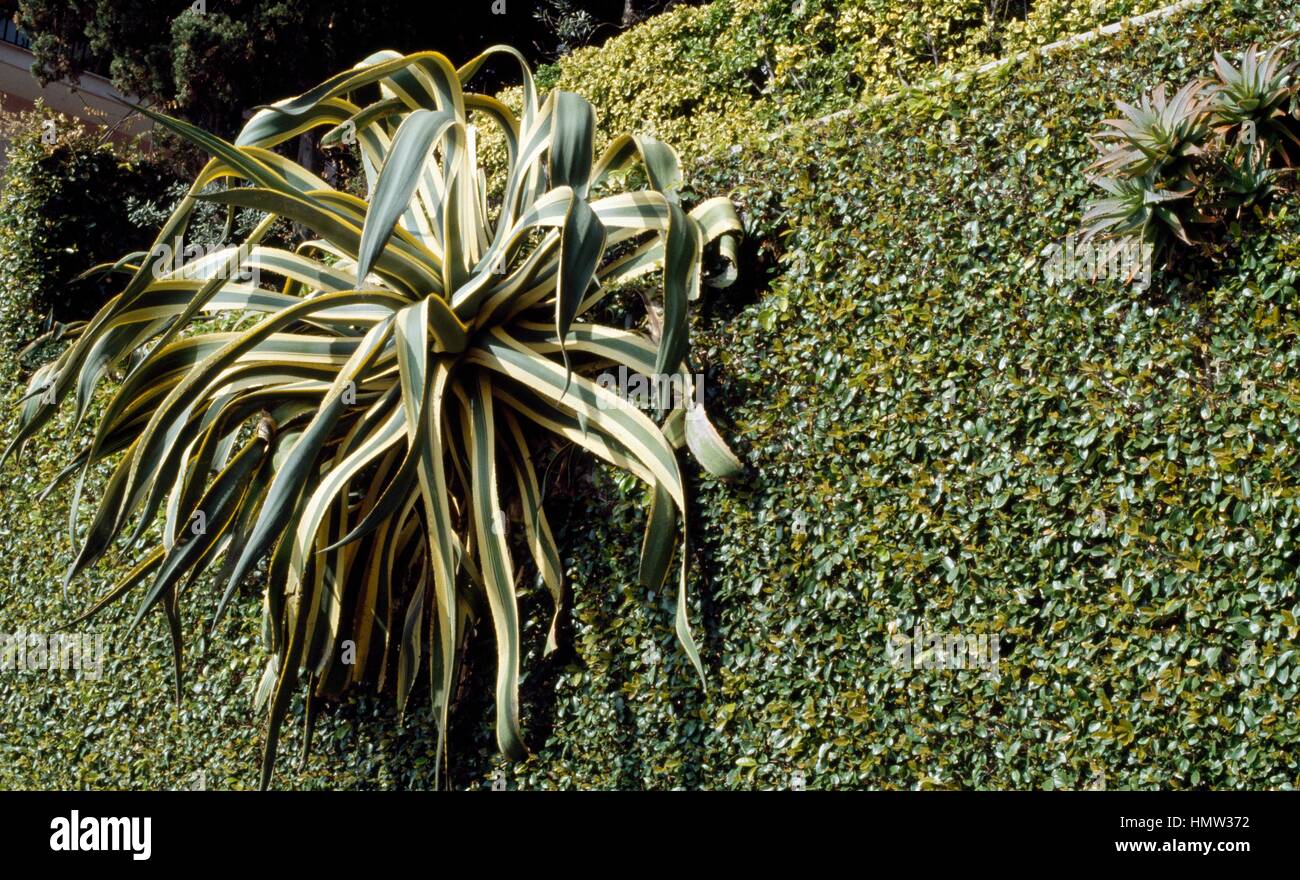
{"type": "Point", "coordinates": [64, 206]}
{"type": "Point", "coordinates": [1104, 478]}
{"type": "Point", "coordinates": [704, 78]}
{"type": "Point", "coordinates": [1107, 479]}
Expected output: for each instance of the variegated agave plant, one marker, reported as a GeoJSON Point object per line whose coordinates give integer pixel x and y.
{"type": "Point", "coordinates": [364, 429]}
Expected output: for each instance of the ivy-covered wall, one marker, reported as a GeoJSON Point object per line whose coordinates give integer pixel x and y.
{"type": "Point", "coordinates": [936, 436]}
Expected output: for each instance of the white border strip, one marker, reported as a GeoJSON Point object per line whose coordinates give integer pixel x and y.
{"type": "Point", "coordinates": [990, 66]}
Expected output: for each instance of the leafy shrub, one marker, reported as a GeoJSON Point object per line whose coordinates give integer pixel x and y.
{"type": "Point", "coordinates": [941, 436]}
{"type": "Point", "coordinates": [211, 225]}
{"type": "Point", "coordinates": [736, 67]}
{"type": "Point", "coordinates": [63, 209]}
{"type": "Point", "coordinates": [355, 428]}
{"type": "Point", "coordinates": [935, 433]}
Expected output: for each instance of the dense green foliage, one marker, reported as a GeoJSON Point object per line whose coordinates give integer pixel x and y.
{"type": "Point", "coordinates": [409, 344]}
{"type": "Point", "coordinates": [739, 66]}
{"type": "Point", "coordinates": [163, 50]}
{"type": "Point", "coordinates": [1105, 477]}
{"type": "Point", "coordinates": [64, 206]}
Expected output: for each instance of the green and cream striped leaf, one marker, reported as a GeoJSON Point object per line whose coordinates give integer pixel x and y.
{"type": "Point", "coordinates": [422, 338]}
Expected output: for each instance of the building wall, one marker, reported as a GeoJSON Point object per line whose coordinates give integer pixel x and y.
{"type": "Point", "coordinates": [92, 99]}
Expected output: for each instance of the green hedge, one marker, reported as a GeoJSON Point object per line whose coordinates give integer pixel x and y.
{"type": "Point", "coordinates": [1104, 478]}
{"type": "Point", "coordinates": [64, 206]}
{"type": "Point", "coordinates": [706, 77]}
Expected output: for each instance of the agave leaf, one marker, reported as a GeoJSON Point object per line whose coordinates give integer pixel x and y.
{"type": "Point", "coordinates": [498, 572]}
{"type": "Point", "coordinates": [398, 179]}
{"type": "Point", "coordinates": [422, 338]}
{"type": "Point", "coordinates": [681, 285]}
{"type": "Point", "coordinates": [581, 244]}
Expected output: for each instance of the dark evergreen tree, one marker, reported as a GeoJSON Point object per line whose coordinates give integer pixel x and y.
{"type": "Point", "coordinates": [211, 60]}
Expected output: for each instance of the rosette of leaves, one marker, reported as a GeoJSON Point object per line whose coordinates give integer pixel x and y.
{"type": "Point", "coordinates": [1250, 104]}
{"type": "Point", "coordinates": [1140, 208]}
{"type": "Point", "coordinates": [1159, 134]}
{"type": "Point", "coordinates": [363, 427]}
{"type": "Point", "coordinates": [1145, 169]}
{"type": "Point", "coordinates": [1246, 177]}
